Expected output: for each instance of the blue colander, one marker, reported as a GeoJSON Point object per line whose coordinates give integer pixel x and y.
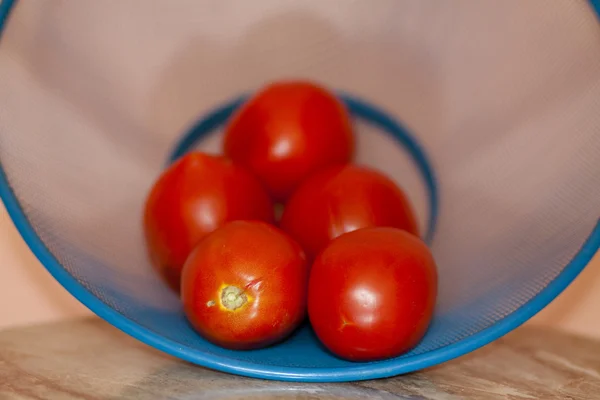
{"type": "Point", "coordinates": [486, 113]}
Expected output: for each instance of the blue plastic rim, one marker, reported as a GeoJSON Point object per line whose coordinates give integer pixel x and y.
{"type": "Point", "coordinates": [359, 371]}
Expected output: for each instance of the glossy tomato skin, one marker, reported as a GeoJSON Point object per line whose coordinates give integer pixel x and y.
{"type": "Point", "coordinates": [372, 293]}
{"type": "Point", "coordinates": [341, 199]}
{"type": "Point", "coordinates": [193, 197]}
{"type": "Point", "coordinates": [265, 273]}
{"type": "Point", "coordinates": [287, 131]}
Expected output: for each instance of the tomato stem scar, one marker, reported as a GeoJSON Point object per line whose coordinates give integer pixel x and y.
{"type": "Point", "coordinates": [344, 323]}
{"type": "Point", "coordinates": [232, 297]}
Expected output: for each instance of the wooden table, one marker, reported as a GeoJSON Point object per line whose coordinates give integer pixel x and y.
{"type": "Point", "coordinates": [89, 359]}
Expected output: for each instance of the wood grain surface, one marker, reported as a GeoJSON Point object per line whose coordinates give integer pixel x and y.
{"type": "Point", "coordinates": [90, 360]}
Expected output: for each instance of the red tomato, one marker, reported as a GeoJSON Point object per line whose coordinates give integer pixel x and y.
{"type": "Point", "coordinates": [286, 132]}
{"type": "Point", "coordinates": [193, 197]}
{"type": "Point", "coordinates": [342, 199]}
{"type": "Point", "coordinates": [372, 293]}
{"type": "Point", "coordinates": [245, 285]}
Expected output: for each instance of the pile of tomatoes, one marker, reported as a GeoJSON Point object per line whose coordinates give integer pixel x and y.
{"type": "Point", "coordinates": [284, 226]}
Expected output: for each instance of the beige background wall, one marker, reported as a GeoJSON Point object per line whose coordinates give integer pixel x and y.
{"type": "Point", "coordinates": [28, 294]}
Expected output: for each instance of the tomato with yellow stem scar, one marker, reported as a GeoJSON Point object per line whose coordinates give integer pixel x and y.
{"type": "Point", "coordinates": [245, 286]}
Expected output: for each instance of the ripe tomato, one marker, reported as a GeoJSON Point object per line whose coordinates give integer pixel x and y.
{"type": "Point", "coordinates": [372, 293]}
{"type": "Point", "coordinates": [193, 197]}
{"type": "Point", "coordinates": [245, 285]}
{"type": "Point", "coordinates": [342, 199]}
{"type": "Point", "coordinates": [287, 131]}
